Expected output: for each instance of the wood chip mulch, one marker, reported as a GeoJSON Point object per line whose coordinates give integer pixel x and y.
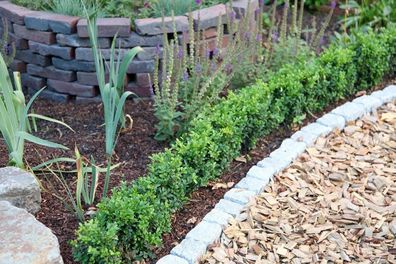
{"type": "Point", "coordinates": [335, 204]}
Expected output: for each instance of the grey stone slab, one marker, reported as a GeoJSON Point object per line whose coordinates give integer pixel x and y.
{"type": "Point", "coordinates": [135, 40]}
{"type": "Point", "coordinates": [51, 72]}
{"type": "Point", "coordinates": [205, 232]}
{"type": "Point", "coordinates": [50, 21]}
{"type": "Point", "coordinates": [240, 196]}
{"type": "Point", "coordinates": [20, 188]}
{"type": "Point", "coordinates": [332, 121]}
{"type": "Point", "coordinates": [370, 103]}
{"type": "Point", "coordinates": [66, 53]}
{"type": "Point", "coordinates": [24, 240]}
{"type": "Point", "coordinates": [156, 26]}
{"type": "Point", "coordinates": [350, 111]}
{"type": "Point", "coordinates": [277, 165]}
{"type": "Point", "coordinates": [218, 216]}
{"type": "Point", "coordinates": [209, 17]}
{"type": "Point", "coordinates": [75, 41]}
{"type": "Point", "coordinates": [386, 95]}
{"type": "Point", "coordinates": [317, 129]}
{"type": "Point", "coordinates": [241, 7]}
{"type": "Point", "coordinates": [252, 184]}
{"type": "Point", "coordinates": [137, 66]}
{"type": "Point", "coordinates": [171, 259]}
{"type": "Point", "coordinates": [30, 57]}
{"type": "Point", "coordinates": [263, 174]}
{"type": "Point", "coordinates": [190, 250]}
{"type": "Point", "coordinates": [229, 207]}
{"type": "Point", "coordinates": [73, 65]}
{"type": "Point", "coordinates": [306, 137]}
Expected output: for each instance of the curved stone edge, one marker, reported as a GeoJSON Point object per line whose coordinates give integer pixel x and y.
{"type": "Point", "coordinates": [192, 248]}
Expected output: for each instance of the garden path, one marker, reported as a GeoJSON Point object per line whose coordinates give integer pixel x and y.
{"type": "Point", "coordinates": [336, 203]}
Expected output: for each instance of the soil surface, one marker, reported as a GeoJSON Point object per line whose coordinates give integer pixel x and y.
{"type": "Point", "coordinates": [335, 203]}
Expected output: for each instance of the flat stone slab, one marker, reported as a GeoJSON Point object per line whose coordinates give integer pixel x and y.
{"type": "Point", "coordinates": [155, 26]}
{"type": "Point", "coordinates": [24, 240]}
{"type": "Point", "coordinates": [20, 188]}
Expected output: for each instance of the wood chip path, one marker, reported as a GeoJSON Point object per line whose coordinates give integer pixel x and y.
{"type": "Point", "coordinates": [335, 204]}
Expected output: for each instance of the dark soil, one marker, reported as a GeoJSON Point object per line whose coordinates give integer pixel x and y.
{"type": "Point", "coordinates": [133, 150]}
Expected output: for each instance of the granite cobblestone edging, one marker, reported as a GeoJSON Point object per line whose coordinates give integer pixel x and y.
{"type": "Point", "coordinates": [49, 44]}
{"type": "Point", "coordinates": [210, 228]}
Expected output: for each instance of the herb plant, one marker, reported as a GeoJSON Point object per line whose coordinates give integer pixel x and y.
{"type": "Point", "coordinates": [112, 92]}
{"type": "Point", "coordinates": [15, 117]}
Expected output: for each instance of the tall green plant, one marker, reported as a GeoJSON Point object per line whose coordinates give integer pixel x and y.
{"type": "Point", "coordinates": [112, 92]}
{"type": "Point", "coordinates": [194, 75]}
{"type": "Point", "coordinates": [14, 116]}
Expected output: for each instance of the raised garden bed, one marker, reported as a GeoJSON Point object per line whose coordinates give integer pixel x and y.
{"type": "Point", "coordinates": [53, 50]}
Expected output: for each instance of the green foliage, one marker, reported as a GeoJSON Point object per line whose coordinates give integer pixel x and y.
{"type": "Point", "coordinates": [112, 92]}
{"type": "Point", "coordinates": [98, 243]}
{"type": "Point", "coordinates": [371, 60]}
{"type": "Point", "coordinates": [367, 14]}
{"type": "Point", "coordinates": [72, 7]}
{"type": "Point", "coordinates": [15, 117]}
{"type": "Point", "coordinates": [315, 4]}
{"type": "Point", "coordinates": [193, 75]}
{"type": "Point", "coordinates": [216, 136]}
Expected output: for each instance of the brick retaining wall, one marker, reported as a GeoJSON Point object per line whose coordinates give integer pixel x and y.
{"type": "Point", "coordinates": [53, 50]}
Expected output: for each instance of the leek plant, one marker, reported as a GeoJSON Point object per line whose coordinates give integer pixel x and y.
{"type": "Point", "coordinates": [112, 92]}
{"type": "Point", "coordinates": [14, 116]}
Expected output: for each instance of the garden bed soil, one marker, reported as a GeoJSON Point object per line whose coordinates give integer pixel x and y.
{"type": "Point", "coordinates": [133, 151]}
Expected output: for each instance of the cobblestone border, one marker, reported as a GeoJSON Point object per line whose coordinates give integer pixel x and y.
{"type": "Point", "coordinates": [54, 50]}
{"type": "Point", "coordinates": [210, 229]}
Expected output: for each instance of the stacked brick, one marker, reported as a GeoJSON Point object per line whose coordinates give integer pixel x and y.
{"type": "Point", "coordinates": [54, 50]}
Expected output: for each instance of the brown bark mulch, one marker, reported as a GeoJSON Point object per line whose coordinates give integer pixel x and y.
{"type": "Point", "coordinates": [335, 204]}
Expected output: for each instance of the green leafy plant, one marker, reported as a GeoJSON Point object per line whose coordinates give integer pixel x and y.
{"type": "Point", "coordinates": [112, 92]}
{"type": "Point", "coordinates": [14, 116]}
{"type": "Point", "coordinates": [139, 214]}
{"type": "Point", "coordinates": [74, 7]}
{"type": "Point", "coordinates": [193, 75]}
{"type": "Point", "coordinates": [367, 14]}
{"type": "Point", "coordinates": [84, 195]}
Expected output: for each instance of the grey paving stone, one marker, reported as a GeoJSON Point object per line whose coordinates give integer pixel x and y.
{"type": "Point", "coordinates": [317, 129]}
{"type": "Point", "coordinates": [350, 111]}
{"type": "Point", "coordinates": [252, 184]}
{"type": "Point", "coordinates": [171, 259]}
{"type": "Point", "coordinates": [240, 196]}
{"type": "Point", "coordinates": [288, 151]}
{"type": "Point", "coordinates": [370, 103]}
{"type": "Point", "coordinates": [218, 216]}
{"type": "Point", "coordinates": [156, 26]}
{"type": "Point", "coordinates": [387, 95]}
{"type": "Point", "coordinates": [205, 232]}
{"type": "Point", "coordinates": [190, 250]}
{"type": "Point", "coordinates": [277, 165]}
{"type": "Point", "coordinates": [229, 207]}
{"type": "Point", "coordinates": [264, 174]}
{"type": "Point", "coordinates": [332, 121]}
{"type": "Point", "coordinates": [303, 136]}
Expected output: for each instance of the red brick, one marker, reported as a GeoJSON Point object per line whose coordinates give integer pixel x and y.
{"type": "Point", "coordinates": [140, 91]}
{"type": "Point", "coordinates": [107, 27]}
{"type": "Point", "coordinates": [18, 66]}
{"type": "Point", "coordinates": [209, 33]}
{"type": "Point", "coordinates": [73, 88]}
{"type": "Point", "coordinates": [14, 13]}
{"type": "Point", "coordinates": [143, 79]}
{"type": "Point", "coordinates": [34, 35]}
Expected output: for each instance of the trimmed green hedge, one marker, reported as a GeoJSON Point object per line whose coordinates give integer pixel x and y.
{"type": "Point", "coordinates": [130, 223]}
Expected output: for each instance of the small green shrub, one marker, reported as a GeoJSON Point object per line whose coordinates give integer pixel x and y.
{"type": "Point", "coordinates": [142, 212]}
{"type": "Point", "coordinates": [371, 59]}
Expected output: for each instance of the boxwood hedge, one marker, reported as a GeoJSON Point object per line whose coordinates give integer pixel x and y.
{"type": "Point", "coordinates": [130, 223]}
